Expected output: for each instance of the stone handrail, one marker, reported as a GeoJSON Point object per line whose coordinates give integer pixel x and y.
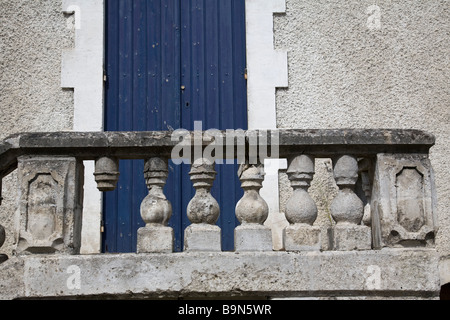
{"type": "Point", "coordinates": [139, 145]}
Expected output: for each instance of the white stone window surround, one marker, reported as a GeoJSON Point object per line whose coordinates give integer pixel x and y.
{"type": "Point", "coordinates": [82, 70]}
{"type": "Point", "coordinates": [267, 70]}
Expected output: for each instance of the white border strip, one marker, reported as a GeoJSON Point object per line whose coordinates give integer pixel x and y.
{"type": "Point", "coordinates": [82, 70]}
{"type": "Point", "coordinates": [267, 70]}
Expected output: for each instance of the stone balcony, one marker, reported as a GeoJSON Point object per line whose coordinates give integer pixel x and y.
{"type": "Point", "coordinates": [381, 244]}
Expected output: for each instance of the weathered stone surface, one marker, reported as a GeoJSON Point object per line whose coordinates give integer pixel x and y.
{"type": "Point", "coordinates": [202, 237]}
{"type": "Point", "coordinates": [383, 273]}
{"type": "Point", "coordinates": [251, 208]}
{"type": "Point", "coordinates": [347, 209]}
{"type": "Point", "coordinates": [50, 205]}
{"type": "Point", "coordinates": [155, 239]}
{"type": "Point", "coordinates": [302, 237]}
{"type": "Point", "coordinates": [203, 208]}
{"type": "Point", "coordinates": [252, 211]}
{"type": "Point", "coordinates": [404, 201]}
{"type": "Point", "coordinates": [156, 210]}
{"type": "Point", "coordinates": [107, 173]}
{"type": "Point", "coordinates": [348, 237]}
{"type": "Point", "coordinates": [325, 142]}
{"type": "Point", "coordinates": [252, 237]}
{"type": "Point", "coordinates": [141, 145]}
{"type": "Point", "coordinates": [301, 208]}
{"type": "Point", "coordinates": [12, 279]}
{"type": "Point", "coordinates": [444, 269]}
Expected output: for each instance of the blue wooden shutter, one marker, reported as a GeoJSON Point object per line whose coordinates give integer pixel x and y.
{"type": "Point", "coordinates": [153, 48]}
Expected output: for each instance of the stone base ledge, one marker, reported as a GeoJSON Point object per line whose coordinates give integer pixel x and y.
{"type": "Point", "coordinates": [385, 273]}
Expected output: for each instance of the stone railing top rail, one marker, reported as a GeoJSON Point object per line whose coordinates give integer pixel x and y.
{"type": "Point", "coordinates": [139, 145]}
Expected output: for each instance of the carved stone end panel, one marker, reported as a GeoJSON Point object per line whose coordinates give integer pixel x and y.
{"type": "Point", "coordinates": [404, 201]}
{"type": "Point", "coordinates": [50, 207]}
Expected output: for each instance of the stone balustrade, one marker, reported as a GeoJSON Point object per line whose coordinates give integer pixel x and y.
{"type": "Point", "coordinates": [386, 196]}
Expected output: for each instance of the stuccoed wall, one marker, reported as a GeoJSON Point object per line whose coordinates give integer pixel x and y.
{"type": "Point", "coordinates": [32, 37]}
{"type": "Point", "coordinates": [345, 72]}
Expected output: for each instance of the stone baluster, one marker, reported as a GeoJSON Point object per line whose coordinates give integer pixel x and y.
{"type": "Point", "coordinates": [106, 173]}
{"type": "Point", "coordinates": [347, 209]}
{"type": "Point", "coordinates": [156, 210]}
{"type": "Point", "coordinates": [301, 210]}
{"type": "Point", "coordinates": [252, 211]}
{"type": "Point", "coordinates": [203, 210]}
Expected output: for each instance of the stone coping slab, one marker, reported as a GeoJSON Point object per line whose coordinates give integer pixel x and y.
{"type": "Point", "coordinates": [140, 145]}
{"type": "Point", "coordinates": [384, 273]}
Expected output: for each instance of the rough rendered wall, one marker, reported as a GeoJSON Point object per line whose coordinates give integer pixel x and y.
{"type": "Point", "coordinates": [32, 37]}
{"type": "Point", "coordinates": [347, 68]}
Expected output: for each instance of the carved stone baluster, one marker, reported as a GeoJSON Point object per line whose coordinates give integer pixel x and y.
{"type": "Point", "coordinates": [106, 173]}
{"type": "Point", "coordinates": [252, 211]}
{"type": "Point", "coordinates": [347, 209]}
{"type": "Point", "coordinates": [203, 211]}
{"type": "Point", "coordinates": [301, 210]}
{"type": "Point", "coordinates": [156, 210]}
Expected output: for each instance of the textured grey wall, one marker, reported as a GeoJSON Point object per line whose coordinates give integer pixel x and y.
{"type": "Point", "coordinates": [32, 37]}
{"type": "Point", "coordinates": [345, 70]}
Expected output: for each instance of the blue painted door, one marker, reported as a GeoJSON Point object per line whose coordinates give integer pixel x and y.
{"type": "Point", "coordinates": [170, 63]}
